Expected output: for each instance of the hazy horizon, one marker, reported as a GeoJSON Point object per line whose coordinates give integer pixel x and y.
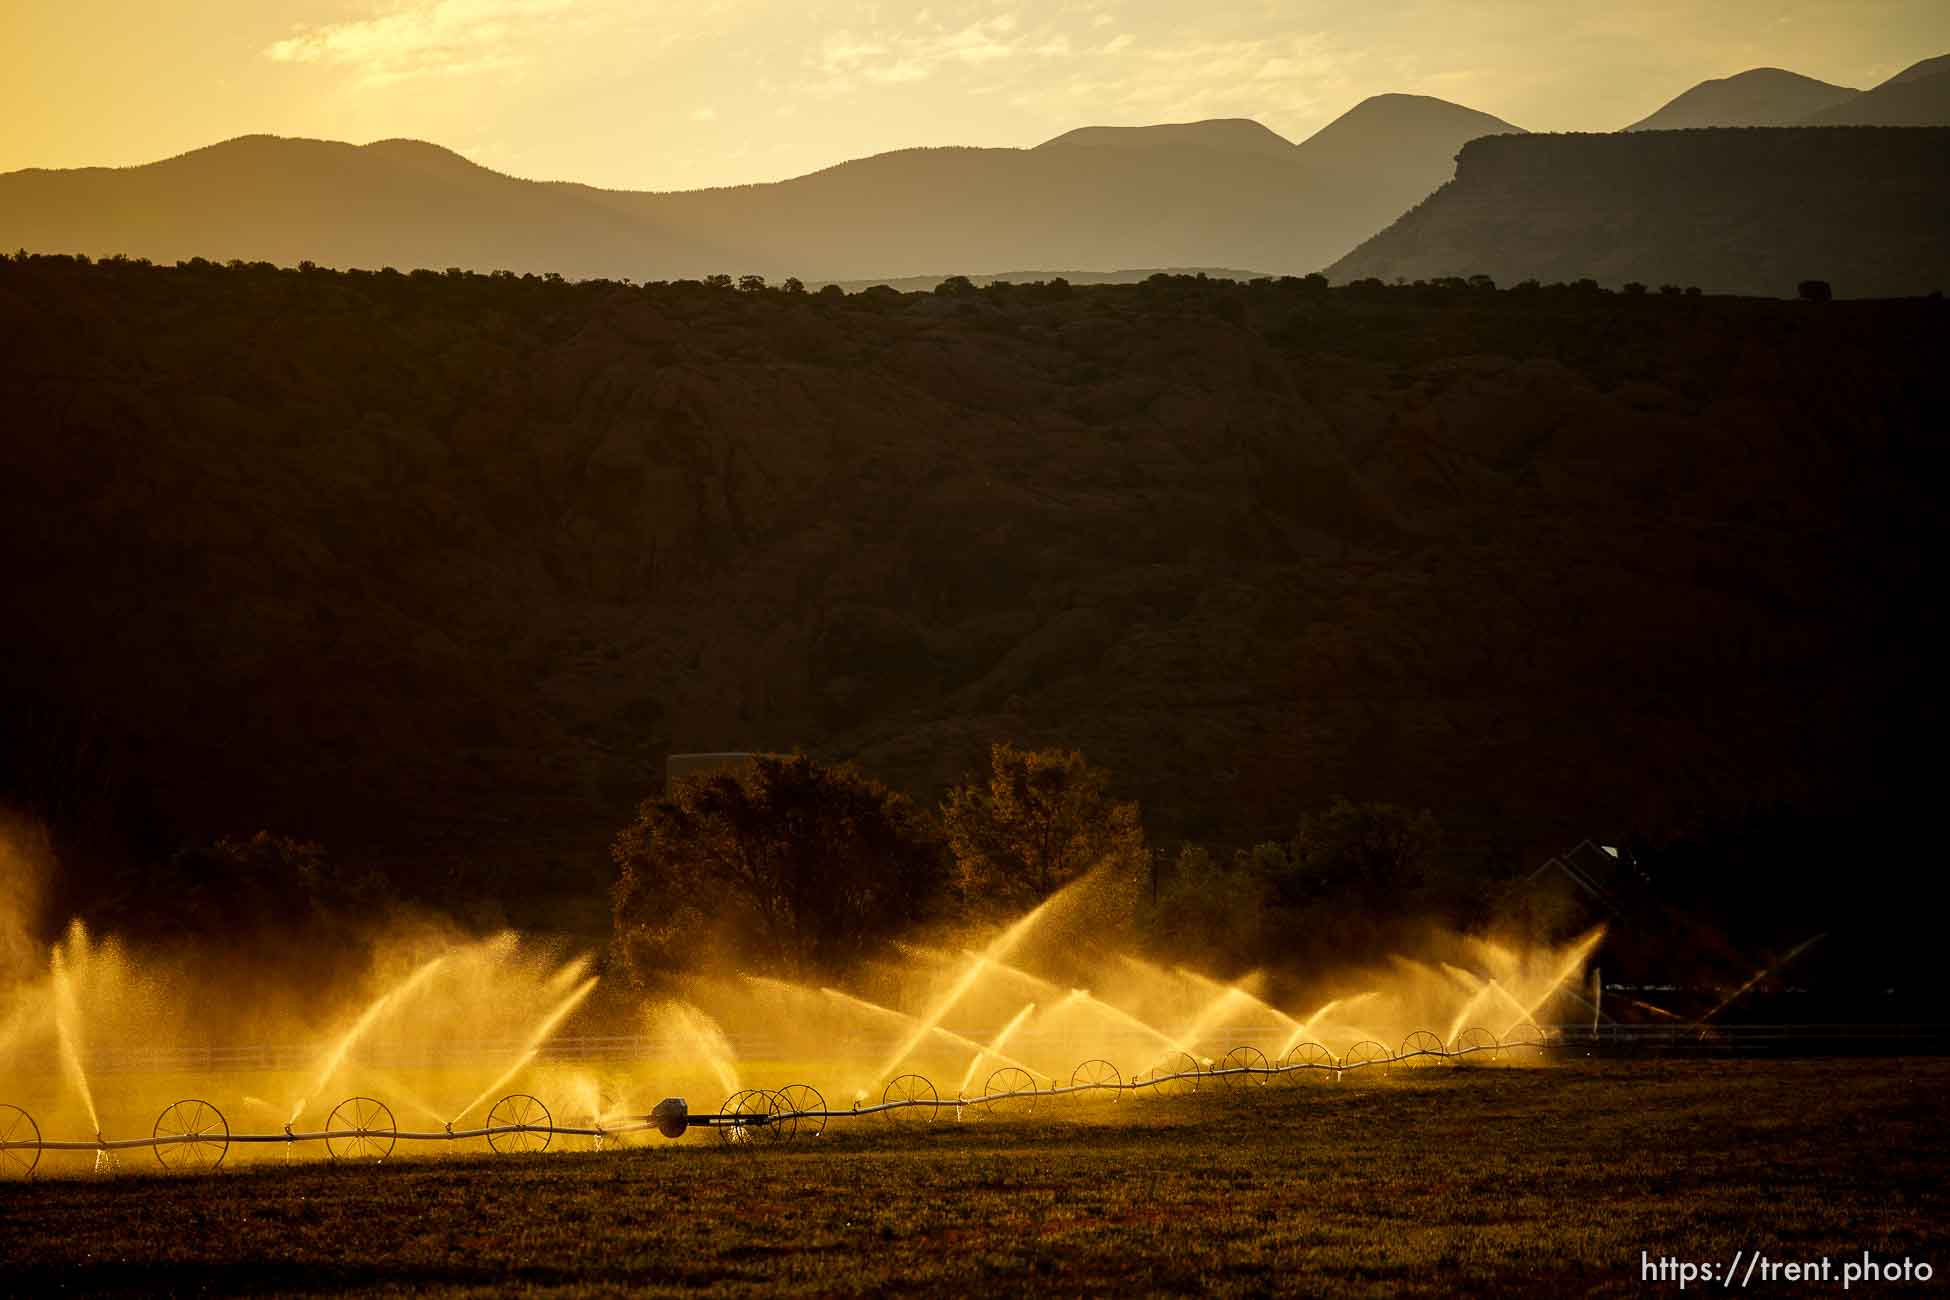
{"type": "Point", "coordinates": [621, 96]}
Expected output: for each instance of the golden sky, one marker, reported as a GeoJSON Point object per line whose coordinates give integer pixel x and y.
{"type": "Point", "coordinates": [654, 94]}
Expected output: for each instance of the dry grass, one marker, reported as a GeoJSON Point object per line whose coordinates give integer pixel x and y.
{"type": "Point", "coordinates": [1541, 1181]}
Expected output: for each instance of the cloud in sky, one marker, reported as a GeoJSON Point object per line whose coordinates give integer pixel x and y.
{"type": "Point", "coordinates": [426, 37]}
{"type": "Point", "coordinates": [892, 55]}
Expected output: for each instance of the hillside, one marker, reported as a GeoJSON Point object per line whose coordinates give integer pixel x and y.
{"type": "Point", "coordinates": [1224, 193]}
{"type": "Point", "coordinates": [393, 203]}
{"type": "Point", "coordinates": [1757, 97]}
{"type": "Point", "coordinates": [1917, 96]}
{"type": "Point", "coordinates": [1732, 211]}
{"type": "Point", "coordinates": [437, 569]}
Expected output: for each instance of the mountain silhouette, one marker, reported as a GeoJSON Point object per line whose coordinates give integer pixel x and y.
{"type": "Point", "coordinates": [1731, 210]}
{"type": "Point", "coordinates": [1226, 135]}
{"type": "Point", "coordinates": [1757, 97]}
{"type": "Point", "coordinates": [1221, 193]}
{"type": "Point", "coordinates": [400, 203]}
{"type": "Point", "coordinates": [1919, 95]}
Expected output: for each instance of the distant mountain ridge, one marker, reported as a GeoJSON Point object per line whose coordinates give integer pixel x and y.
{"type": "Point", "coordinates": [1919, 95]}
{"type": "Point", "coordinates": [1757, 97]}
{"type": "Point", "coordinates": [1749, 211]}
{"type": "Point", "coordinates": [1230, 134]}
{"type": "Point", "coordinates": [1220, 193]}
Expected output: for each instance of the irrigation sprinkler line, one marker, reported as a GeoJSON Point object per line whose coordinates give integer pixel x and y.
{"type": "Point", "coordinates": [738, 1120]}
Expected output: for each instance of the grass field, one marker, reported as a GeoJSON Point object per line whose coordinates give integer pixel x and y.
{"type": "Point", "coordinates": [1434, 1181]}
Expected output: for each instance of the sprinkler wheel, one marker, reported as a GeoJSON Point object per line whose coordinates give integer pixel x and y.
{"type": "Point", "coordinates": [767, 1116]}
{"type": "Point", "coordinates": [191, 1134]}
{"type": "Point", "coordinates": [1524, 1042]}
{"type": "Point", "coordinates": [371, 1134]}
{"type": "Point", "coordinates": [799, 1100]}
{"type": "Point", "coordinates": [20, 1142]}
{"type": "Point", "coordinates": [1097, 1073]}
{"type": "Point", "coordinates": [1174, 1076]}
{"type": "Point", "coordinates": [1473, 1041]}
{"type": "Point", "coordinates": [526, 1124]}
{"type": "Point", "coordinates": [1365, 1052]}
{"type": "Point", "coordinates": [919, 1096]}
{"type": "Point", "coordinates": [1419, 1046]}
{"type": "Point", "coordinates": [1010, 1089]}
{"type": "Point", "coordinates": [1247, 1058]}
{"type": "Point", "coordinates": [1306, 1061]}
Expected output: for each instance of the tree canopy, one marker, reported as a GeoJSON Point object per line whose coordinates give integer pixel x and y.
{"type": "Point", "coordinates": [800, 867]}
{"type": "Point", "coordinates": [1040, 820]}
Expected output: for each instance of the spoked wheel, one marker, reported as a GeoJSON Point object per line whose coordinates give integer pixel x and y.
{"type": "Point", "coordinates": [1010, 1089]}
{"type": "Point", "coordinates": [524, 1122]}
{"type": "Point", "coordinates": [360, 1128]}
{"type": "Point", "coordinates": [735, 1106]}
{"type": "Point", "coordinates": [917, 1096]}
{"type": "Point", "coordinates": [1420, 1047]}
{"type": "Point", "coordinates": [1365, 1052]}
{"type": "Point", "coordinates": [1306, 1061]}
{"type": "Point", "coordinates": [1174, 1076]}
{"type": "Point", "coordinates": [191, 1134]}
{"type": "Point", "coordinates": [1475, 1042]}
{"type": "Point", "coordinates": [1097, 1073]}
{"type": "Point", "coordinates": [799, 1100]}
{"type": "Point", "coordinates": [1243, 1058]}
{"type": "Point", "coordinates": [1524, 1042]}
{"type": "Point", "coordinates": [766, 1117]}
{"type": "Point", "coordinates": [20, 1142]}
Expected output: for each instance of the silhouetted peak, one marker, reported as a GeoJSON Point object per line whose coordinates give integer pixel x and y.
{"type": "Point", "coordinates": [1756, 97]}
{"type": "Point", "coordinates": [1919, 95]}
{"type": "Point", "coordinates": [1936, 67]}
{"type": "Point", "coordinates": [1381, 119]}
{"type": "Point", "coordinates": [419, 152]}
{"type": "Point", "coordinates": [1225, 134]}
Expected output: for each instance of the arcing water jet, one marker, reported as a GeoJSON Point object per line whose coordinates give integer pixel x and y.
{"type": "Point", "coordinates": [1760, 975]}
{"type": "Point", "coordinates": [1083, 998]}
{"type": "Point", "coordinates": [1572, 965]}
{"type": "Point", "coordinates": [343, 1047]}
{"type": "Point", "coordinates": [994, 1048]}
{"type": "Point", "coordinates": [923, 1031]}
{"type": "Point", "coordinates": [703, 1036]}
{"type": "Point", "coordinates": [1306, 1028]}
{"type": "Point", "coordinates": [67, 1020]}
{"type": "Point", "coordinates": [533, 1046]}
{"type": "Point", "coordinates": [997, 949]}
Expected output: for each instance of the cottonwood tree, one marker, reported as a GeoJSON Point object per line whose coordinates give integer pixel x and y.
{"type": "Point", "coordinates": [807, 866]}
{"type": "Point", "coordinates": [1040, 820]}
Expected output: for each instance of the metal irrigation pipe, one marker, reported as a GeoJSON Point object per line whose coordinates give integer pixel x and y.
{"type": "Point", "coordinates": [673, 1122]}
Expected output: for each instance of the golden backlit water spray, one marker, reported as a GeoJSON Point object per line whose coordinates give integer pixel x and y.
{"type": "Point", "coordinates": [702, 1035]}
{"type": "Point", "coordinates": [1239, 991]}
{"type": "Point", "coordinates": [533, 1046]}
{"type": "Point", "coordinates": [1479, 994]}
{"type": "Point", "coordinates": [1572, 965]}
{"type": "Point", "coordinates": [1211, 1013]}
{"type": "Point", "coordinates": [997, 949]}
{"type": "Point", "coordinates": [67, 1019]}
{"type": "Point", "coordinates": [1083, 998]}
{"type": "Point", "coordinates": [1760, 975]}
{"type": "Point", "coordinates": [335, 1057]}
{"type": "Point", "coordinates": [922, 1032]}
{"type": "Point", "coordinates": [1300, 1035]}
{"type": "Point", "coordinates": [994, 1049]}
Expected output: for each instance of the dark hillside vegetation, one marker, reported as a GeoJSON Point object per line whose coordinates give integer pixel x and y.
{"type": "Point", "coordinates": [434, 570]}
{"type": "Point", "coordinates": [1749, 211]}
